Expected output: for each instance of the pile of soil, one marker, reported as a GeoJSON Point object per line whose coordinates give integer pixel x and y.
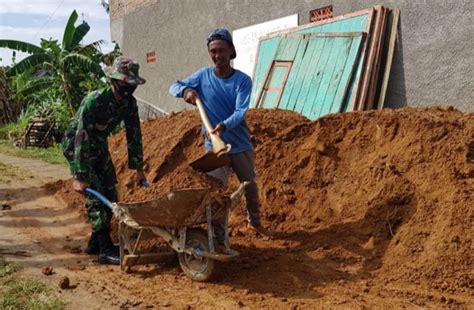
{"type": "Point", "coordinates": [386, 193]}
{"type": "Point", "coordinates": [393, 188]}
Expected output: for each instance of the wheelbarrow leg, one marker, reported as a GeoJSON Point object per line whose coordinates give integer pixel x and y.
{"type": "Point", "coordinates": [182, 239]}
{"type": "Point", "coordinates": [226, 229]}
{"type": "Point", "coordinates": [121, 232]}
{"type": "Point", "coordinates": [210, 229]}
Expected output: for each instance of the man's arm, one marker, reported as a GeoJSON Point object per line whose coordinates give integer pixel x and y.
{"type": "Point", "coordinates": [242, 103]}
{"type": "Point", "coordinates": [81, 165]}
{"type": "Point", "coordinates": [180, 87]}
{"type": "Point", "coordinates": [134, 137]}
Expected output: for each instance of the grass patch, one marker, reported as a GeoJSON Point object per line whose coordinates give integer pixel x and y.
{"type": "Point", "coordinates": [52, 155]}
{"type": "Point", "coordinates": [7, 269]}
{"type": "Point", "coordinates": [13, 131]}
{"type": "Point", "coordinates": [23, 293]}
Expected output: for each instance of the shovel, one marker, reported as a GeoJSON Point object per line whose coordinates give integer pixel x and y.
{"type": "Point", "coordinates": [219, 156]}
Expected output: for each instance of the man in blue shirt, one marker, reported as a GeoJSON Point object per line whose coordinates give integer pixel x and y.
{"type": "Point", "coordinates": [225, 93]}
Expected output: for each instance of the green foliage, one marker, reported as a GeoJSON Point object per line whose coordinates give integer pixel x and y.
{"type": "Point", "coordinates": [14, 131]}
{"type": "Point", "coordinates": [42, 104]}
{"type": "Point", "coordinates": [30, 62]}
{"type": "Point", "coordinates": [55, 77]}
{"type": "Point", "coordinates": [108, 59]}
{"type": "Point", "coordinates": [57, 68]}
{"type": "Point", "coordinates": [20, 46]}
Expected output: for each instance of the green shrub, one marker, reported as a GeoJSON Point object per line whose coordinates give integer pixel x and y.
{"type": "Point", "coordinates": [14, 131]}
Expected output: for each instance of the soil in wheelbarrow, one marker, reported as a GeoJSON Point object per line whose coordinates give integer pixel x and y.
{"type": "Point", "coordinates": [377, 204]}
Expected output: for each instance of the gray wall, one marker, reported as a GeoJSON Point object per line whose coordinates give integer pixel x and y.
{"type": "Point", "coordinates": [433, 61]}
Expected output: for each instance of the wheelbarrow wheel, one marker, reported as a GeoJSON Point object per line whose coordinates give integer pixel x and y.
{"type": "Point", "coordinates": [197, 268]}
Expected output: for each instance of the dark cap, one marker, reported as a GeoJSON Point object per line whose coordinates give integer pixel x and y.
{"type": "Point", "coordinates": [222, 34]}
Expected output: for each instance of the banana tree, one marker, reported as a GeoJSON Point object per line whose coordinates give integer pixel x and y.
{"type": "Point", "coordinates": [58, 67]}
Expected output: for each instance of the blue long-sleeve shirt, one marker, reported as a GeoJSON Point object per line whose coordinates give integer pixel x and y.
{"type": "Point", "coordinates": [225, 101]}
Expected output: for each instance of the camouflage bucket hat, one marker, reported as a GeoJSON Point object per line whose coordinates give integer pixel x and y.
{"type": "Point", "coordinates": [126, 70]}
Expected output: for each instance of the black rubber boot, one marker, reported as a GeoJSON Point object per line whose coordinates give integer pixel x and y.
{"type": "Point", "coordinates": [93, 247]}
{"type": "Point", "coordinates": [109, 254]}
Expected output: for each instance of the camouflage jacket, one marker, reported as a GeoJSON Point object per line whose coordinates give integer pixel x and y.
{"type": "Point", "coordinates": [98, 116]}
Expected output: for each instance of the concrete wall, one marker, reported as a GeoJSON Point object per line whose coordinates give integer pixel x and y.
{"type": "Point", "coordinates": [119, 8]}
{"type": "Point", "coordinates": [433, 61]}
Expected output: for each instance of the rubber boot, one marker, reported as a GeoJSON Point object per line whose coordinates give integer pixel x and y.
{"type": "Point", "coordinates": [109, 253]}
{"type": "Point", "coordinates": [93, 247]}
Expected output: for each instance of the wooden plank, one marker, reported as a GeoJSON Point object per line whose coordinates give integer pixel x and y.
{"type": "Point", "coordinates": [295, 81]}
{"type": "Point", "coordinates": [261, 92]}
{"type": "Point", "coordinates": [320, 23]}
{"type": "Point", "coordinates": [355, 87]}
{"type": "Point", "coordinates": [287, 101]}
{"type": "Point", "coordinates": [266, 54]}
{"type": "Point", "coordinates": [313, 56]}
{"type": "Point", "coordinates": [257, 55]}
{"type": "Point", "coordinates": [313, 87]}
{"type": "Point", "coordinates": [284, 101]}
{"type": "Point", "coordinates": [354, 24]}
{"type": "Point", "coordinates": [343, 91]}
{"type": "Point", "coordinates": [316, 80]}
{"type": "Point", "coordinates": [388, 63]}
{"type": "Point", "coordinates": [331, 77]}
{"type": "Point", "coordinates": [378, 56]}
{"type": "Point", "coordinates": [358, 21]}
{"type": "Point", "coordinates": [148, 258]}
{"type": "Point", "coordinates": [275, 84]}
{"type": "Point", "coordinates": [315, 99]}
{"type": "Point", "coordinates": [361, 20]}
{"type": "Point", "coordinates": [323, 34]}
{"type": "Point", "coordinates": [370, 60]}
{"type": "Point", "coordinates": [341, 84]}
{"type": "Point", "coordinates": [290, 49]}
{"type": "Point", "coordinates": [281, 48]}
{"type": "Point", "coordinates": [283, 84]}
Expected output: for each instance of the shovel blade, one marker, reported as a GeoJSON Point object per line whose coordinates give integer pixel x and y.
{"type": "Point", "coordinates": [210, 161]}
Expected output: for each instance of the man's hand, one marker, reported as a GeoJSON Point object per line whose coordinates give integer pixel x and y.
{"type": "Point", "coordinates": [79, 186]}
{"type": "Point", "coordinates": [140, 177]}
{"type": "Point", "coordinates": [218, 129]}
{"type": "Point", "coordinates": [190, 96]}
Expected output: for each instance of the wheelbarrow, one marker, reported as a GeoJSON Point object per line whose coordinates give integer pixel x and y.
{"type": "Point", "coordinates": [178, 218]}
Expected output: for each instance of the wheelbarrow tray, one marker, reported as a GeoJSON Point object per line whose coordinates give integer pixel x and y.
{"type": "Point", "coordinates": [186, 207]}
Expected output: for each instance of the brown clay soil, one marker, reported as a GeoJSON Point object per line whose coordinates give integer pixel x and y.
{"type": "Point", "coordinates": [370, 210]}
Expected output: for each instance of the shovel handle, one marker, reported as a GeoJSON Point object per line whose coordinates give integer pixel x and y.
{"type": "Point", "coordinates": [218, 146]}
{"type": "Point", "coordinates": [202, 113]}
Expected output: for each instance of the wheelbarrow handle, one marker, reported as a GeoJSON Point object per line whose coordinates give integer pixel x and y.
{"type": "Point", "coordinates": [99, 196]}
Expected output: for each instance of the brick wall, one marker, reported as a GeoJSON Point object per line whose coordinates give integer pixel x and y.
{"type": "Point", "coordinates": [119, 8]}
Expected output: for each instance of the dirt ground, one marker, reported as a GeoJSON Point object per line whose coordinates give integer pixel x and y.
{"type": "Point", "coordinates": [370, 210]}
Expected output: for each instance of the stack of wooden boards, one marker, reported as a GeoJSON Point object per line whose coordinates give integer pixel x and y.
{"type": "Point", "coordinates": [336, 65]}
{"type": "Point", "coordinates": [39, 133]}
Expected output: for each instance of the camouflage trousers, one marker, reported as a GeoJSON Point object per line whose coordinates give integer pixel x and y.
{"type": "Point", "coordinates": [103, 179]}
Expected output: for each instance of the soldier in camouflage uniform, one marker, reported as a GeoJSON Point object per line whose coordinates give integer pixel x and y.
{"type": "Point", "coordinates": [85, 147]}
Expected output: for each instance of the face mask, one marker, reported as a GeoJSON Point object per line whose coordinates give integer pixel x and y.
{"type": "Point", "coordinates": [125, 91]}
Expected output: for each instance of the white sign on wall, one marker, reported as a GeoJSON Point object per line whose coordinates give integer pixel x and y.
{"type": "Point", "coordinates": [246, 40]}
